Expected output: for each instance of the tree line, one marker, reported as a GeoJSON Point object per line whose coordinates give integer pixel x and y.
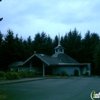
{"type": "Point", "coordinates": [85, 50]}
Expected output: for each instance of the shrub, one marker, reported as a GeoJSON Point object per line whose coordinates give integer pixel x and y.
{"type": "Point", "coordinates": [2, 74]}
{"type": "Point", "coordinates": [86, 74]}
{"type": "Point", "coordinates": [12, 75]}
{"type": "Point", "coordinates": [22, 74]}
{"type": "Point", "coordinates": [30, 73]}
{"type": "Point", "coordinates": [76, 72]}
{"type": "Point", "coordinates": [63, 73]}
{"type": "Point", "coordinates": [3, 96]}
{"type": "Point", "coordinates": [58, 74]}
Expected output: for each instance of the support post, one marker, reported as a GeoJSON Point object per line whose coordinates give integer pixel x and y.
{"type": "Point", "coordinates": [30, 65]}
{"type": "Point", "coordinates": [43, 70]}
{"type": "Point", "coordinates": [18, 69]}
{"type": "Point", "coordinates": [89, 68]}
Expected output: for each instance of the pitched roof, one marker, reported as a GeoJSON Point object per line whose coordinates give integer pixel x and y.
{"type": "Point", "coordinates": [56, 59]}
{"type": "Point", "coordinates": [15, 64]}
{"type": "Point", "coordinates": [59, 46]}
{"type": "Point", "coordinates": [64, 58]}
{"type": "Point", "coordinates": [47, 59]}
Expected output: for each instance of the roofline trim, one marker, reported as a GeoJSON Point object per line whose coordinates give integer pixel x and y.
{"type": "Point", "coordinates": [28, 59]}
{"type": "Point", "coordinates": [32, 57]}
{"type": "Point", "coordinates": [43, 60]}
{"type": "Point", "coordinates": [73, 63]}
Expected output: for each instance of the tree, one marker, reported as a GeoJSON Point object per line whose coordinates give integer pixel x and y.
{"type": "Point", "coordinates": [97, 59]}
{"type": "Point", "coordinates": [86, 43]}
{"type": "Point", "coordinates": [49, 46]}
{"type": "Point", "coordinates": [7, 49]}
{"type": "Point", "coordinates": [72, 43]}
{"type": "Point", "coordinates": [40, 43]}
{"type": "Point", "coordinates": [89, 44]}
{"type": "Point", "coordinates": [55, 41]}
{"type": "Point", "coordinates": [27, 48]}
{"type": "Point", "coordinates": [1, 42]}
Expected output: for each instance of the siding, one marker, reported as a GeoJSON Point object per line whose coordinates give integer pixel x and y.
{"type": "Point", "coordinates": [69, 69]}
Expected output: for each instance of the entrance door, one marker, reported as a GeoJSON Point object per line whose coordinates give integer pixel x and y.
{"type": "Point", "coordinates": [48, 70]}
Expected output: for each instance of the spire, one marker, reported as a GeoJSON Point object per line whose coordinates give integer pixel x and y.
{"type": "Point", "coordinates": [59, 39]}
{"type": "Point", "coordinates": [59, 48]}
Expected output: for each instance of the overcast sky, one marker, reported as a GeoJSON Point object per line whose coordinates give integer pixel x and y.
{"type": "Point", "coordinates": [27, 17]}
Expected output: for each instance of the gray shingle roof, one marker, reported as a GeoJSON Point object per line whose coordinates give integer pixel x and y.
{"type": "Point", "coordinates": [59, 46]}
{"type": "Point", "coordinates": [64, 58]}
{"type": "Point", "coordinates": [47, 59]}
{"type": "Point", "coordinates": [15, 64]}
{"type": "Point", "coordinates": [54, 60]}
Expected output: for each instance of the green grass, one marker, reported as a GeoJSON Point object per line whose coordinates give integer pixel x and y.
{"type": "Point", "coordinates": [3, 96]}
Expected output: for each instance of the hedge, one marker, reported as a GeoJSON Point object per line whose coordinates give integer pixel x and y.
{"type": "Point", "coordinates": [12, 75]}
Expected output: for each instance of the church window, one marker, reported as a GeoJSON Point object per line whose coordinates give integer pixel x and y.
{"type": "Point", "coordinates": [60, 50]}
{"type": "Point", "coordinates": [56, 50]}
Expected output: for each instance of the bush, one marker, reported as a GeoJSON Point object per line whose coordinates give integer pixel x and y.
{"type": "Point", "coordinates": [12, 75]}
{"type": "Point", "coordinates": [2, 74]}
{"type": "Point", "coordinates": [22, 74]}
{"type": "Point", "coordinates": [86, 74]}
{"type": "Point", "coordinates": [63, 73]}
{"type": "Point", "coordinates": [30, 73]}
{"type": "Point", "coordinates": [58, 74]}
{"type": "Point", "coordinates": [76, 72]}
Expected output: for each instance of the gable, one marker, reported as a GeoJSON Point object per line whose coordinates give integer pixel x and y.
{"type": "Point", "coordinates": [44, 58]}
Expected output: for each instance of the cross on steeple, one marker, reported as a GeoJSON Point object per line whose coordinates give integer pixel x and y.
{"type": "Point", "coordinates": [59, 39]}
{"type": "Point", "coordinates": [59, 48]}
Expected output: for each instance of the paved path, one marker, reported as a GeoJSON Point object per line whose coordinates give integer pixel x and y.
{"type": "Point", "coordinates": [76, 88]}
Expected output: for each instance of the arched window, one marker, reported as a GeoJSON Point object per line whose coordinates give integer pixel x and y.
{"type": "Point", "coordinates": [56, 50]}
{"type": "Point", "coordinates": [60, 50]}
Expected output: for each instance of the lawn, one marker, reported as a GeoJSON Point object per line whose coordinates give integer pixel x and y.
{"type": "Point", "coordinates": [2, 96]}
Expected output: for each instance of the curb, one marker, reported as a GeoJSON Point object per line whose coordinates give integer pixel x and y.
{"type": "Point", "coordinates": [20, 81]}
{"type": "Point", "coordinates": [33, 79]}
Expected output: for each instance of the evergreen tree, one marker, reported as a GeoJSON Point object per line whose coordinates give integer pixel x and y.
{"type": "Point", "coordinates": [49, 46]}
{"type": "Point", "coordinates": [55, 41]}
{"type": "Point", "coordinates": [1, 42]}
{"type": "Point", "coordinates": [7, 50]}
{"type": "Point", "coordinates": [97, 59]}
{"type": "Point", "coordinates": [72, 44]}
{"type": "Point", "coordinates": [40, 43]}
{"type": "Point", "coordinates": [86, 42]}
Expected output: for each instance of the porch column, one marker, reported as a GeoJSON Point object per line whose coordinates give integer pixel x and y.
{"type": "Point", "coordinates": [43, 70]}
{"type": "Point", "coordinates": [30, 65]}
{"type": "Point", "coordinates": [18, 69]}
{"type": "Point", "coordinates": [89, 68]}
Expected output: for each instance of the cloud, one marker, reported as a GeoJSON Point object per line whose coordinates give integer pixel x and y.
{"type": "Point", "coordinates": [53, 16]}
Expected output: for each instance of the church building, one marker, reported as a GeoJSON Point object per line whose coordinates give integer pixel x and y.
{"type": "Point", "coordinates": [53, 65]}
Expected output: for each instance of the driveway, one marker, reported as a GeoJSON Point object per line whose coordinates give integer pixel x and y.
{"type": "Point", "coordinates": [77, 88]}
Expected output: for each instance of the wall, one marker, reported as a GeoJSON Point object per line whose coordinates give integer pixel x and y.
{"type": "Point", "coordinates": [69, 69]}
{"type": "Point", "coordinates": [25, 68]}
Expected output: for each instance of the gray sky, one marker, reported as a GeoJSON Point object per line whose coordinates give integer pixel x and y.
{"type": "Point", "coordinates": [27, 17]}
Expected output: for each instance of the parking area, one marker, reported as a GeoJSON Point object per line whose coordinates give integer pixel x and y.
{"type": "Point", "coordinates": [77, 88]}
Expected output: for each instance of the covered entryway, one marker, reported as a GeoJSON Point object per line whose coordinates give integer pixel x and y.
{"type": "Point", "coordinates": [40, 67]}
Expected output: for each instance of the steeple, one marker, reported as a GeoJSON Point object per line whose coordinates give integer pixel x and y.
{"type": "Point", "coordinates": [59, 48]}
{"type": "Point", "coordinates": [59, 39]}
